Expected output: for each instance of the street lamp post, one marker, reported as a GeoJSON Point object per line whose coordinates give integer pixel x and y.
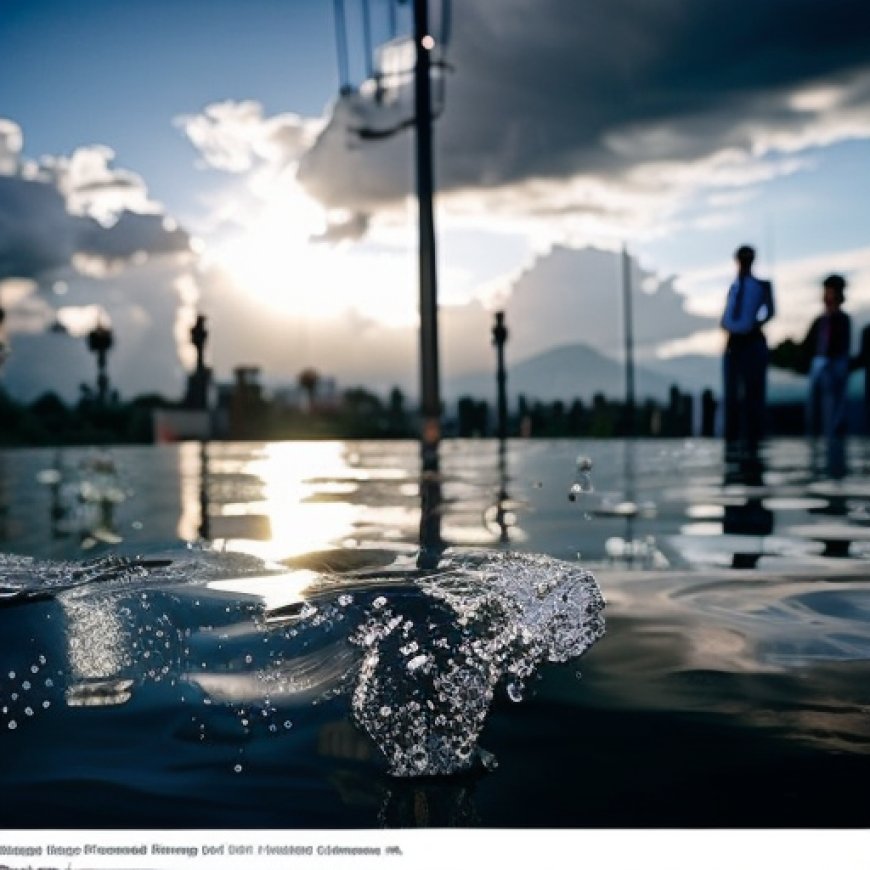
{"type": "Point", "coordinates": [430, 398]}
{"type": "Point", "coordinates": [628, 321]}
{"type": "Point", "coordinates": [431, 544]}
{"type": "Point", "coordinates": [499, 337]}
{"type": "Point", "coordinates": [100, 341]}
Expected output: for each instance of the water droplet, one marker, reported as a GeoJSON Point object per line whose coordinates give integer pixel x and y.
{"type": "Point", "coordinates": [238, 768]}
{"type": "Point", "coordinates": [34, 669]}
{"type": "Point", "coordinates": [488, 760]}
{"type": "Point", "coordinates": [288, 724]}
{"type": "Point", "coordinates": [248, 659]}
{"type": "Point", "coordinates": [12, 724]}
{"type": "Point", "coordinates": [11, 675]}
{"type": "Point", "coordinates": [379, 602]}
{"type": "Point", "coordinates": [46, 705]}
{"type": "Point", "coordinates": [417, 662]}
{"type": "Point", "coordinates": [584, 463]}
{"type": "Point", "coordinates": [28, 711]}
{"type": "Point", "coordinates": [385, 711]}
{"type": "Point", "coordinates": [515, 692]}
{"type": "Point", "coordinates": [345, 599]}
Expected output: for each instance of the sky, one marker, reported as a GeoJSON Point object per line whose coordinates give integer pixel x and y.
{"type": "Point", "coordinates": [161, 158]}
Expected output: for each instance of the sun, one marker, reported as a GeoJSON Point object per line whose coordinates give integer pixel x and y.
{"type": "Point", "coordinates": [274, 259]}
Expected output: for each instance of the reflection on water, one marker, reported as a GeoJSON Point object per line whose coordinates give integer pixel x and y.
{"type": "Point", "coordinates": [635, 505]}
{"type": "Point", "coordinates": [200, 686]}
{"type": "Point", "coordinates": [84, 498]}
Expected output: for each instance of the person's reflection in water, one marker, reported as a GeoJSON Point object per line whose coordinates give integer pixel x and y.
{"type": "Point", "coordinates": [828, 457]}
{"type": "Point", "coordinates": [751, 518]}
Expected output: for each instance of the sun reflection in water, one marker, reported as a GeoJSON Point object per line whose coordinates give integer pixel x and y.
{"type": "Point", "coordinates": [281, 499]}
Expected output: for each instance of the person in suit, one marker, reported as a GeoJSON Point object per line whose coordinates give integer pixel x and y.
{"type": "Point", "coordinates": [748, 306]}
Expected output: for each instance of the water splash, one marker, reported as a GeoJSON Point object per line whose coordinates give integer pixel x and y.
{"type": "Point", "coordinates": [582, 484]}
{"type": "Point", "coordinates": [432, 664]}
{"type": "Point", "coordinates": [417, 655]}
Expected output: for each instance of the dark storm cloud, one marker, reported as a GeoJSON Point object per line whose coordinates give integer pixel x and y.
{"type": "Point", "coordinates": [557, 88]}
{"type": "Point", "coordinates": [38, 235]}
{"type": "Point", "coordinates": [130, 235]}
{"type": "Point", "coordinates": [556, 78]}
{"type": "Point", "coordinates": [36, 232]}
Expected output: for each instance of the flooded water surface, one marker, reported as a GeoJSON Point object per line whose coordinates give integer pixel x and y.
{"type": "Point", "coordinates": [577, 634]}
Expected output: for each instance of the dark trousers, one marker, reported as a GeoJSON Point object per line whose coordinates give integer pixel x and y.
{"type": "Point", "coordinates": [745, 388]}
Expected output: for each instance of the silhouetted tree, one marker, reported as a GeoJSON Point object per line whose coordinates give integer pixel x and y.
{"type": "Point", "coordinates": [309, 379]}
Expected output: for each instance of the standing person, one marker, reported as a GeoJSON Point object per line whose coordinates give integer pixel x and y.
{"type": "Point", "coordinates": [748, 307]}
{"type": "Point", "coordinates": [862, 361]}
{"type": "Point", "coordinates": [828, 342]}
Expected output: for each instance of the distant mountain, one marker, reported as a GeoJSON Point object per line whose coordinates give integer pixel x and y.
{"type": "Point", "coordinates": [578, 371]}
{"type": "Point", "coordinates": [566, 372]}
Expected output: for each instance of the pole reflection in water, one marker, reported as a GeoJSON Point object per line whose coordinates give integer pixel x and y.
{"type": "Point", "coordinates": [431, 542]}
{"type": "Point", "coordinates": [504, 518]}
{"type": "Point", "coordinates": [204, 524]}
{"type": "Point", "coordinates": [628, 550]}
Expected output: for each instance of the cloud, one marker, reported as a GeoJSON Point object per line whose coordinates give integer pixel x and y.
{"type": "Point", "coordinates": [798, 294]}
{"type": "Point", "coordinates": [90, 186]}
{"type": "Point", "coordinates": [63, 207]}
{"type": "Point", "coordinates": [68, 223]}
{"type": "Point", "coordinates": [10, 146]}
{"type": "Point", "coordinates": [592, 111]}
{"type": "Point", "coordinates": [352, 228]}
{"type": "Point", "coordinates": [235, 136]}
{"type": "Point", "coordinates": [570, 296]}
{"type": "Point", "coordinates": [141, 303]}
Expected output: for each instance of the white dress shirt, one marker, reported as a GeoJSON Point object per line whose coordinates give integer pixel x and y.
{"type": "Point", "coordinates": [755, 308]}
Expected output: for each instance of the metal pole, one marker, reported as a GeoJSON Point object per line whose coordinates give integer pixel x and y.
{"type": "Point", "coordinates": [430, 399]}
{"type": "Point", "coordinates": [431, 544]}
{"type": "Point", "coordinates": [499, 337]}
{"type": "Point", "coordinates": [629, 341]}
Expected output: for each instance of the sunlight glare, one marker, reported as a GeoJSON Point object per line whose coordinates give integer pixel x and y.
{"type": "Point", "coordinates": [275, 261]}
